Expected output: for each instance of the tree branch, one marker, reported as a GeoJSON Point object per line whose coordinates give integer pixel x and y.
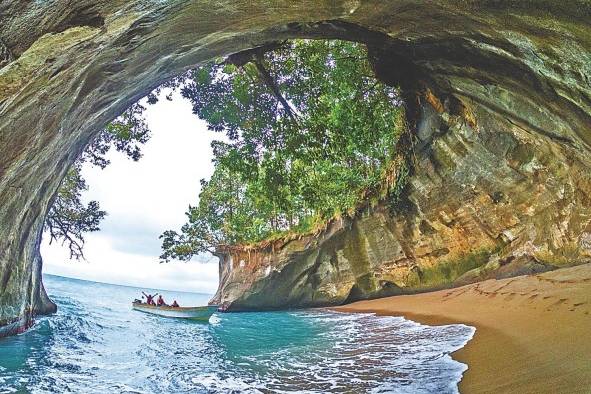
{"type": "Point", "coordinates": [256, 56]}
{"type": "Point", "coordinates": [272, 85]}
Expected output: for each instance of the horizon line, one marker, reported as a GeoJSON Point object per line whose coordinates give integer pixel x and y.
{"type": "Point", "coordinates": [120, 285]}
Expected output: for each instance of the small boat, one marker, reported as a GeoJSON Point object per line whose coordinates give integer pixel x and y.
{"type": "Point", "coordinates": [198, 313]}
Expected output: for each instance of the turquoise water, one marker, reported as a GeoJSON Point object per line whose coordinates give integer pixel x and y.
{"type": "Point", "coordinates": [96, 344]}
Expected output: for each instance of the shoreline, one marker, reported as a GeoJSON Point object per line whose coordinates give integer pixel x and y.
{"type": "Point", "coordinates": [532, 332]}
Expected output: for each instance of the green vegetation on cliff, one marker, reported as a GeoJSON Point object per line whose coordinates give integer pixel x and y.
{"type": "Point", "coordinates": [309, 133]}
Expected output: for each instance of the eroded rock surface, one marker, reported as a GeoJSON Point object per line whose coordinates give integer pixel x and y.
{"type": "Point", "coordinates": [487, 200]}
{"type": "Point", "coordinates": [502, 169]}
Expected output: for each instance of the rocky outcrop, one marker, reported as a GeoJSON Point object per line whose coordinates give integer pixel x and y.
{"type": "Point", "coordinates": [515, 74]}
{"type": "Point", "coordinates": [487, 200]}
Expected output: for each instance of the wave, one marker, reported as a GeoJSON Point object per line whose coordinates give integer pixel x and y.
{"type": "Point", "coordinates": [95, 345]}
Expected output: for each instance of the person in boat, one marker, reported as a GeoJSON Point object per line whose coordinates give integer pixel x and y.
{"type": "Point", "coordinates": [150, 298]}
{"type": "Point", "coordinates": [161, 301]}
{"type": "Point", "coordinates": [175, 304]}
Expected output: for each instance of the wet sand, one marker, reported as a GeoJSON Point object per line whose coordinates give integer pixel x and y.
{"type": "Point", "coordinates": [533, 333]}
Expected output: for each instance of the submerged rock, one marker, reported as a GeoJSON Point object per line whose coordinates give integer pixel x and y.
{"type": "Point", "coordinates": [502, 113]}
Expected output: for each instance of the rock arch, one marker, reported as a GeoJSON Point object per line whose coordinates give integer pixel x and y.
{"type": "Point", "coordinates": [511, 80]}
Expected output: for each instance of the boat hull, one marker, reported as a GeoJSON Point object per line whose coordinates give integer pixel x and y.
{"type": "Point", "coordinates": [199, 313]}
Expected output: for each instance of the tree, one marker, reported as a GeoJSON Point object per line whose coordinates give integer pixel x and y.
{"type": "Point", "coordinates": [126, 134]}
{"type": "Point", "coordinates": [310, 131]}
{"type": "Point", "coordinates": [69, 218]}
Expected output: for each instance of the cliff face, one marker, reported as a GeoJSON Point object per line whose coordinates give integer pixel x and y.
{"type": "Point", "coordinates": [487, 200]}
{"type": "Point", "coordinates": [502, 167]}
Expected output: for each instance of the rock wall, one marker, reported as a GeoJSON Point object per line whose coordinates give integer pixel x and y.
{"type": "Point", "coordinates": [487, 200]}
{"type": "Point", "coordinates": [521, 69]}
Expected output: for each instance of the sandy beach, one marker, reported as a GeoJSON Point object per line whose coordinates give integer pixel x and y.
{"type": "Point", "coordinates": [533, 333]}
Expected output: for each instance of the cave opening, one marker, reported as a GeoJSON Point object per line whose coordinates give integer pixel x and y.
{"type": "Point", "coordinates": [506, 85]}
{"type": "Point", "coordinates": [288, 137]}
{"type": "Point", "coordinates": [497, 97]}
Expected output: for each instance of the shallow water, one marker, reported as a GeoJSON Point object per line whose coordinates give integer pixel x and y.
{"type": "Point", "coordinates": [96, 344]}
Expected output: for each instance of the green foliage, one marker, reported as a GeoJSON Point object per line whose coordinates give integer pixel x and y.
{"type": "Point", "coordinates": [395, 194]}
{"type": "Point", "coordinates": [309, 131]}
{"type": "Point", "coordinates": [126, 134]}
{"type": "Point", "coordinates": [69, 218]}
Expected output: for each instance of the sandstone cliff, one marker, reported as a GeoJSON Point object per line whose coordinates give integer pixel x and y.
{"type": "Point", "coordinates": [503, 167]}
{"type": "Point", "coordinates": [487, 200]}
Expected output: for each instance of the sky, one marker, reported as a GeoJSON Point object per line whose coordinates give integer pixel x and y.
{"type": "Point", "coordinates": [142, 200]}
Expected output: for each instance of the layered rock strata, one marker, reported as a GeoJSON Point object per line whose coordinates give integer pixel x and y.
{"type": "Point", "coordinates": [486, 200]}
{"type": "Point", "coordinates": [502, 168]}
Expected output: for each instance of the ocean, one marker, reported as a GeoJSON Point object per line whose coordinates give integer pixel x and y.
{"type": "Point", "coordinates": [97, 344]}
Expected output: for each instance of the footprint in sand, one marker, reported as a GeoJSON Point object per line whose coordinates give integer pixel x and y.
{"type": "Point", "coordinates": [578, 304]}
{"type": "Point", "coordinates": [532, 297]}
{"type": "Point", "coordinates": [558, 303]}
{"type": "Point", "coordinates": [510, 296]}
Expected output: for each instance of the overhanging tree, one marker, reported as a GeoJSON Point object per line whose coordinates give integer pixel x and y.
{"type": "Point", "coordinates": [310, 130]}
{"type": "Point", "coordinates": [69, 218]}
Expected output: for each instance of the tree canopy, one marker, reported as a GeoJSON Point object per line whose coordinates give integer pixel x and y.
{"type": "Point", "coordinates": [309, 132]}
{"type": "Point", "coordinates": [69, 218]}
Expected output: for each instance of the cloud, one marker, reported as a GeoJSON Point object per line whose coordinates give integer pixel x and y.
{"type": "Point", "coordinates": [134, 237]}
{"type": "Point", "coordinates": [143, 199]}
{"type": "Point", "coordinates": [104, 264]}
